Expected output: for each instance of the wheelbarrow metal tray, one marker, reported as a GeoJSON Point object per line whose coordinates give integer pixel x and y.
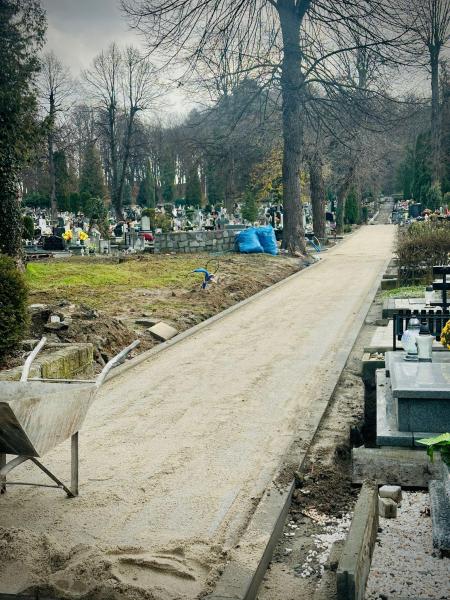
{"type": "Point", "coordinates": [37, 416]}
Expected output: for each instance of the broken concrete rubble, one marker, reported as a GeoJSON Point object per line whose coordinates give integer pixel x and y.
{"type": "Point", "coordinates": [394, 492]}
{"type": "Point", "coordinates": [387, 508]}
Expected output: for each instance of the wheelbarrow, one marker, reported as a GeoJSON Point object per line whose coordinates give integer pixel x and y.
{"type": "Point", "coordinates": [38, 414]}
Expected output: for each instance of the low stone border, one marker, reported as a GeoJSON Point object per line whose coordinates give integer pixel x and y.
{"type": "Point", "coordinates": [407, 467]}
{"type": "Point", "coordinates": [354, 565]}
{"type": "Point", "coordinates": [221, 240]}
{"type": "Point", "coordinates": [58, 361]}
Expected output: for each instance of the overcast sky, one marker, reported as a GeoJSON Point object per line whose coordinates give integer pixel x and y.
{"type": "Point", "coordinates": [77, 30]}
{"type": "Point", "coordinates": [80, 29]}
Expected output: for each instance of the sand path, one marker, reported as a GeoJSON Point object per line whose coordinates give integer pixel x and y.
{"type": "Point", "coordinates": [176, 452]}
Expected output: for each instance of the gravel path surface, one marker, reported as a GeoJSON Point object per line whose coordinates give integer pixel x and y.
{"type": "Point", "coordinates": [176, 452]}
{"type": "Point", "coordinates": [404, 564]}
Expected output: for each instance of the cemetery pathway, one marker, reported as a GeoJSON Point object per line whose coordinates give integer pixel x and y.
{"type": "Point", "coordinates": [176, 451]}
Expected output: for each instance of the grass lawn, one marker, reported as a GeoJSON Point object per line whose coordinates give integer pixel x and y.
{"type": "Point", "coordinates": [98, 281]}
{"type": "Point", "coordinates": [98, 274]}
{"type": "Point", "coordinates": [162, 283]}
{"type": "Point", "coordinates": [411, 291]}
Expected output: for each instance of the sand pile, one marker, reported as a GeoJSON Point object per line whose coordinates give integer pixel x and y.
{"type": "Point", "coordinates": [33, 562]}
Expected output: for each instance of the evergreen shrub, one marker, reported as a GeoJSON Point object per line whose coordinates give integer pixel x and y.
{"type": "Point", "coordinates": [13, 305]}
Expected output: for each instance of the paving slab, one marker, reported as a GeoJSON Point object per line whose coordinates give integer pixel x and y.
{"type": "Point", "coordinates": [177, 452]}
{"type": "Point", "coordinates": [162, 331]}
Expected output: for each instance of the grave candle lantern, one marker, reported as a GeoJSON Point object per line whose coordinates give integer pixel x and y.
{"type": "Point", "coordinates": [409, 339]}
{"type": "Point", "coordinates": [429, 295]}
{"type": "Point", "coordinates": [424, 343]}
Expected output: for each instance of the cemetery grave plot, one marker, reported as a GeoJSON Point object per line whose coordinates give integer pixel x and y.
{"type": "Point", "coordinates": [407, 540]}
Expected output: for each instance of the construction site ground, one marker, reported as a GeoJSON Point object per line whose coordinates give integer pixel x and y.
{"type": "Point", "coordinates": [177, 452]}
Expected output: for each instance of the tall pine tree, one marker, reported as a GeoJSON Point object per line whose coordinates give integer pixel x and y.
{"type": "Point", "coordinates": [215, 185]}
{"type": "Point", "coordinates": [22, 28]}
{"type": "Point", "coordinates": [146, 194]}
{"type": "Point", "coordinates": [91, 178]}
{"type": "Point", "coordinates": [249, 206]}
{"type": "Point", "coordinates": [193, 194]}
{"type": "Point", "coordinates": [422, 168]}
{"type": "Point", "coordinates": [62, 180]}
{"type": "Point", "coordinates": [167, 177]}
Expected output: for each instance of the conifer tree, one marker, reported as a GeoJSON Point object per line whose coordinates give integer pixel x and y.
{"type": "Point", "coordinates": [250, 206]}
{"type": "Point", "coordinates": [91, 178]}
{"type": "Point", "coordinates": [22, 28]}
{"type": "Point", "coordinates": [193, 187]}
{"type": "Point", "coordinates": [146, 194]}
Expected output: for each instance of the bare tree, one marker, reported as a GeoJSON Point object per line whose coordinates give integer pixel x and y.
{"type": "Point", "coordinates": [56, 86]}
{"type": "Point", "coordinates": [123, 83]}
{"type": "Point", "coordinates": [190, 28]}
{"type": "Point", "coordinates": [430, 19]}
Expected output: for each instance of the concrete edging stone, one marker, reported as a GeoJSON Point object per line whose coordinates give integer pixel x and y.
{"type": "Point", "coordinates": [354, 565]}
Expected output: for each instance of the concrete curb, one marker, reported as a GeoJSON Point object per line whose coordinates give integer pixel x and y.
{"type": "Point", "coordinates": [238, 581]}
{"type": "Point", "coordinates": [354, 565]}
{"type": "Point", "coordinates": [241, 581]}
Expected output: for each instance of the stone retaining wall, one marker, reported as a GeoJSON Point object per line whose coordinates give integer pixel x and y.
{"type": "Point", "coordinates": [58, 361]}
{"type": "Point", "coordinates": [195, 241]}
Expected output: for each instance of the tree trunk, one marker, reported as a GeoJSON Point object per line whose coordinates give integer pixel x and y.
{"type": "Point", "coordinates": [125, 161]}
{"type": "Point", "coordinates": [292, 92]}
{"type": "Point", "coordinates": [340, 201]}
{"type": "Point", "coordinates": [435, 118]}
{"type": "Point", "coordinates": [51, 158]}
{"type": "Point", "coordinates": [116, 200]}
{"type": "Point", "coordinates": [317, 188]}
{"type": "Point", "coordinates": [359, 195]}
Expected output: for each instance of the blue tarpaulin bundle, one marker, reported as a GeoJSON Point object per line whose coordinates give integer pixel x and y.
{"type": "Point", "coordinates": [248, 242]}
{"type": "Point", "coordinates": [267, 239]}
{"type": "Point", "coordinates": [256, 240]}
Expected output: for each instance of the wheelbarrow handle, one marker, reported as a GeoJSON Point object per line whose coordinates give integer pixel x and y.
{"type": "Point", "coordinates": [114, 362]}
{"type": "Point", "coordinates": [31, 357]}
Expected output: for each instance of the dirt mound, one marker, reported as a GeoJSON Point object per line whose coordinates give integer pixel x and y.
{"type": "Point", "coordinates": [81, 323]}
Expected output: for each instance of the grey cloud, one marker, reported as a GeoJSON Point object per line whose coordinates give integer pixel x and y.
{"type": "Point", "coordinates": [79, 29]}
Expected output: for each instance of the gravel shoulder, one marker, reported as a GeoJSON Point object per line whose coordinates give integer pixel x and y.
{"type": "Point", "coordinates": [407, 541]}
